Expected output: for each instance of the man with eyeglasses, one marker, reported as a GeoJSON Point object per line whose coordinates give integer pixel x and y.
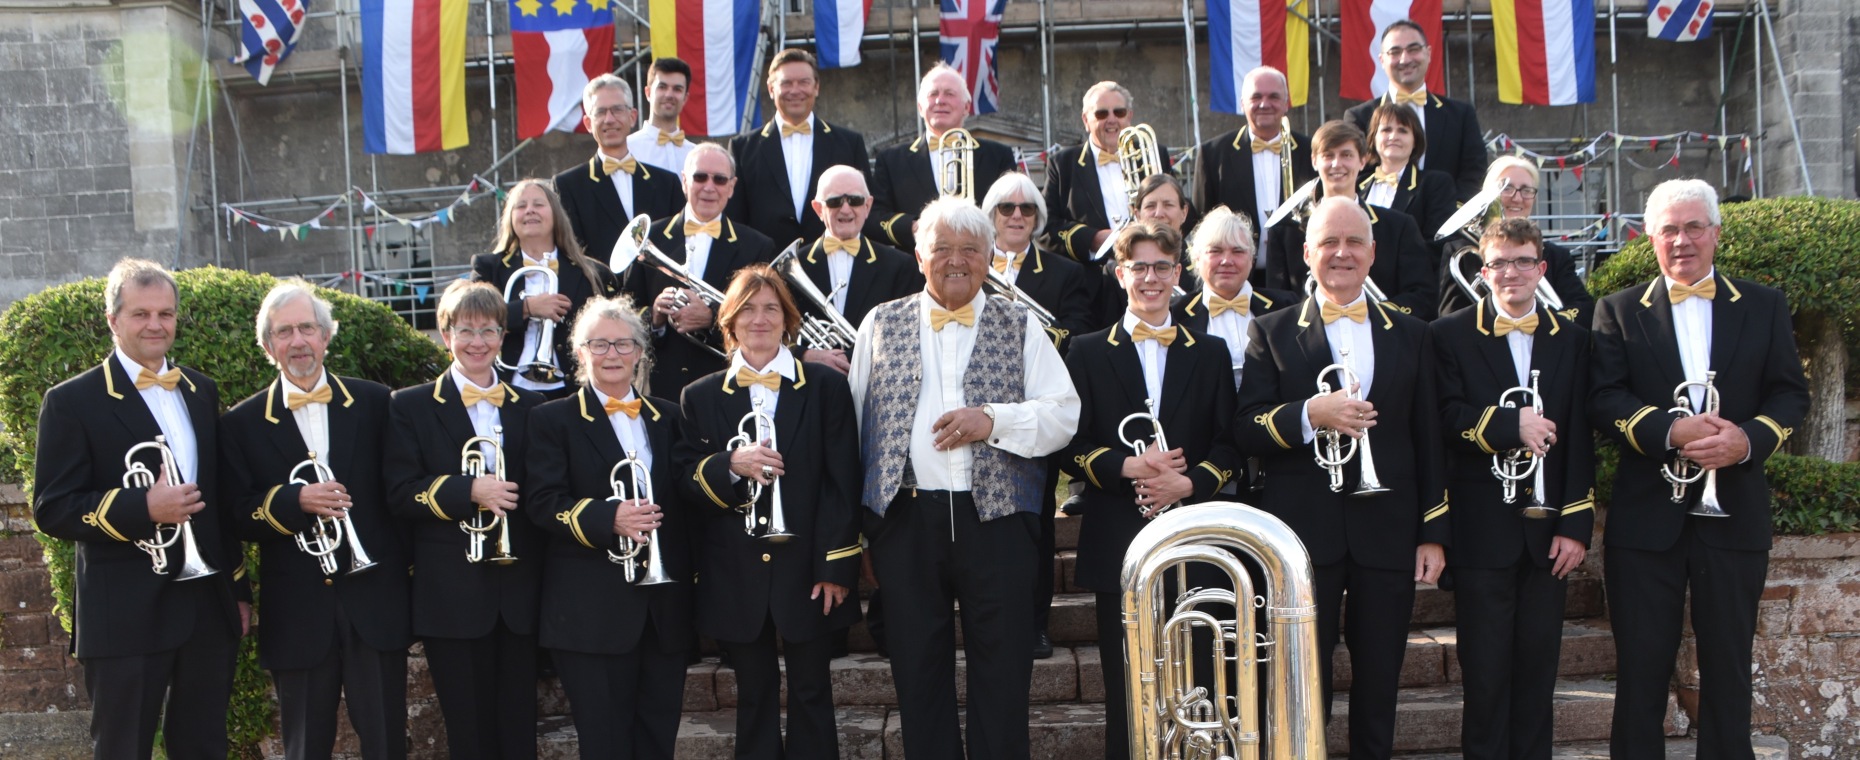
{"type": "Point", "coordinates": [1455, 143]}
{"type": "Point", "coordinates": [1086, 195]}
{"type": "Point", "coordinates": [659, 141]}
{"type": "Point", "coordinates": [1513, 545]}
{"type": "Point", "coordinates": [711, 247]}
{"type": "Point", "coordinates": [336, 628]}
{"type": "Point", "coordinates": [1519, 178]}
{"type": "Point", "coordinates": [602, 196]}
{"type": "Point", "coordinates": [853, 271]}
{"type": "Point", "coordinates": [909, 176]}
{"type": "Point", "coordinates": [781, 162]}
{"type": "Point", "coordinates": [1244, 170]}
{"type": "Point", "coordinates": [1690, 324]}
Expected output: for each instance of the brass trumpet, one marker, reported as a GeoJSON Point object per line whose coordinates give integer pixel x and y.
{"type": "Point", "coordinates": [632, 247]}
{"type": "Point", "coordinates": [633, 556]}
{"type": "Point", "coordinates": [1139, 446]}
{"type": "Point", "coordinates": [772, 527]}
{"type": "Point", "coordinates": [1512, 467]}
{"type": "Point", "coordinates": [472, 465]}
{"type": "Point", "coordinates": [1683, 472]}
{"type": "Point", "coordinates": [541, 367]}
{"type": "Point", "coordinates": [328, 533]}
{"type": "Point", "coordinates": [956, 173]}
{"type": "Point", "coordinates": [817, 332]}
{"type": "Point", "coordinates": [1139, 156]}
{"type": "Point", "coordinates": [1332, 453]}
{"type": "Point", "coordinates": [138, 475]}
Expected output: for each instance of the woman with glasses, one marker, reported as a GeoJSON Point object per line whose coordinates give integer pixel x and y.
{"type": "Point", "coordinates": [778, 514]}
{"type": "Point", "coordinates": [477, 619]}
{"type": "Point", "coordinates": [1519, 178]}
{"type": "Point", "coordinates": [1393, 179]}
{"type": "Point", "coordinates": [618, 640]}
{"type": "Point", "coordinates": [534, 231]}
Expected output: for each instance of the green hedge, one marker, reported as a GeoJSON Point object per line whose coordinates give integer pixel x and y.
{"type": "Point", "coordinates": [53, 335]}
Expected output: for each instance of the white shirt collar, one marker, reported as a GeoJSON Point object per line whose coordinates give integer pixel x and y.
{"type": "Point", "coordinates": [690, 215]}
{"type": "Point", "coordinates": [291, 389]}
{"type": "Point", "coordinates": [461, 381]}
{"type": "Point", "coordinates": [135, 370]}
{"type": "Point", "coordinates": [1670, 282]}
{"type": "Point", "coordinates": [782, 364]}
{"type": "Point", "coordinates": [546, 258]}
{"type": "Point", "coordinates": [1246, 292]}
{"type": "Point", "coordinates": [602, 397]}
{"type": "Point", "coordinates": [1131, 320]}
{"type": "Point", "coordinates": [975, 304]}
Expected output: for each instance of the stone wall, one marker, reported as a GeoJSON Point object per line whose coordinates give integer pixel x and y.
{"type": "Point", "coordinates": [40, 684]}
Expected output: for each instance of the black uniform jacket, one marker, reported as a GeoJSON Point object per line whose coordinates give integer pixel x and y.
{"type": "Point", "coordinates": [1474, 368]}
{"type": "Point", "coordinates": [453, 598]}
{"type": "Point", "coordinates": [1065, 288]}
{"type": "Point", "coordinates": [880, 273]}
{"type": "Point", "coordinates": [1455, 143]}
{"type": "Point", "coordinates": [1075, 202]}
{"type": "Point", "coordinates": [86, 425]}
{"type": "Point", "coordinates": [571, 281]}
{"type": "Point", "coordinates": [587, 604]}
{"type": "Point", "coordinates": [593, 206]}
{"type": "Point", "coordinates": [763, 200]}
{"type": "Point", "coordinates": [1224, 174]}
{"type": "Point", "coordinates": [261, 443]}
{"type": "Point", "coordinates": [1287, 349]}
{"type": "Point", "coordinates": [1760, 385]}
{"type": "Point", "coordinates": [1191, 310]}
{"type": "Point", "coordinates": [1425, 195]}
{"type": "Point", "coordinates": [744, 582]}
{"type": "Point", "coordinates": [1578, 305]}
{"type": "Point", "coordinates": [1405, 265]}
{"type": "Point", "coordinates": [1197, 411]}
{"type": "Point", "coordinates": [677, 359]}
{"type": "Point", "coordinates": [904, 182]}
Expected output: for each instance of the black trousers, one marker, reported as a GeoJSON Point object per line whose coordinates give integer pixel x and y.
{"type": "Point", "coordinates": [127, 693]}
{"type": "Point", "coordinates": [373, 682]}
{"type": "Point", "coordinates": [1646, 601]}
{"type": "Point", "coordinates": [1374, 624]}
{"type": "Point", "coordinates": [487, 693]}
{"type": "Point", "coordinates": [626, 706]}
{"type": "Point", "coordinates": [1049, 548]}
{"type": "Point", "coordinates": [1510, 639]}
{"type": "Point", "coordinates": [812, 732]}
{"type": "Point", "coordinates": [930, 551]}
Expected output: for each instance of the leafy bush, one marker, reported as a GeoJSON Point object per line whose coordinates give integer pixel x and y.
{"type": "Point", "coordinates": [1808, 496]}
{"type": "Point", "coordinates": [53, 335]}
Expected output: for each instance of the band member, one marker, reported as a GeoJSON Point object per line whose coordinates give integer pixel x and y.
{"type": "Point", "coordinates": [335, 629]}
{"type": "Point", "coordinates": [1246, 169]}
{"type": "Point", "coordinates": [1160, 200]}
{"type": "Point", "coordinates": [534, 231]}
{"type": "Point", "coordinates": [909, 176]}
{"type": "Point", "coordinates": [476, 618]}
{"type": "Point", "coordinates": [958, 395]}
{"type": "Point", "coordinates": [756, 593]}
{"type": "Point", "coordinates": [1518, 201]}
{"type": "Point", "coordinates": [1452, 126]}
{"type": "Point", "coordinates": [1394, 181]}
{"type": "Point", "coordinates": [855, 272]}
{"type": "Point", "coordinates": [782, 161]}
{"type": "Point", "coordinates": [139, 634]}
{"type": "Point", "coordinates": [1227, 303]}
{"type": "Point", "coordinates": [1086, 194]}
{"type": "Point", "coordinates": [1144, 364]}
{"type": "Point", "coordinates": [711, 248]}
{"type": "Point", "coordinates": [1509, 568]}
{"type": "Point", "coordinates": [598, 205]}
{"type": "Point", "coordinates": [659, 142]}
{"type": "Point", "coordinates": [619, 646]}
{"type": "Point", "coordinates": [1405, 267]}
{"type": "Point", "coordinates": [1375, 545]}
{"type": "Point", "coordinates": [1694, 325]}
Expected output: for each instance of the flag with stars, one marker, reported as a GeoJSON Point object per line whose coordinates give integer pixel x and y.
{"type": "Point", "coordinates": [268, 34]}
{"type": "Point", "coordinates": [559, 45]}
{"type": "Point", "coordinates": [969, 32]}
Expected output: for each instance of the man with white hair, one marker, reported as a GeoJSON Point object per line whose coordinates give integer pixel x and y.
{"type": "Point", "coordinates": [910, 176]}
{"type": "Point", "coordinates": [959, 394]}
{"type": "Point", "coordinates": [1245, 170]}
{"type": "Point", "coordinates": [1086, 195]}
{"type": "Point", "coordinates": [853, 271]}
{"type": "Point", "coordinates": [614, 186]}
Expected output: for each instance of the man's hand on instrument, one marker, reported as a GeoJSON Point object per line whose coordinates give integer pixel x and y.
{"type": "Point", "coordinates": [960, 427]}
{"type": "Point", "coordinates": [550, 306]}
{"type": "Point", "coordinates": [831, 357]}
{"type": "Point", "coordinates": [635, 518]}
{"type": "Point", "coordinates": [172, 504]}
{"type": "Point", "coordinates": [1721, 449]}
{"type": "Point", "coordinates": [1536, 430]}
{"type": "Point", "coordinates": [1429, 560]}
{"type": "Point", "coordinates": [664, 306]}
{"type": "Point", "coordinates": [1565, 554]}
{"type": "Point", "coordinates": [1685, 430]}
{"type": "Point", "coordinates": [1163, 490]}
{"type": "Point", "coordinates": [1169, 460]}
{"type": "Point", "coordinates": [830, 596]}
{"type": "Point", "coordinates": [499, 496]}
{"type": "Point", "coordinates": [324, 499]}
{"type": "Point", "coordinates": [696, 315]}
{"type": "Point", "coordinates": [758, 463]}
{"type": "Point", "coordinates": [1339, 412]}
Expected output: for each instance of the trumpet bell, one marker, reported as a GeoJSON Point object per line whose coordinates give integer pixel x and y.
{"type": "Point", "coordinates": [192, 565]}
{"type": "Point", "coordinates": [1538, 511]}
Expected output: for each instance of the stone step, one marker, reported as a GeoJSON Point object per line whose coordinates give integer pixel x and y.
{"type": "Point", "coordinates": [1429, 718]}
{"type": "Point", "coordinates": [1767, 748]}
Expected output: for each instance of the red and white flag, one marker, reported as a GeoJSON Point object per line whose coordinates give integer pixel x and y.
{"type": "Point", "coordinates": [557, 53]}
{"type": "Point", "coordinates": [1363, 23]}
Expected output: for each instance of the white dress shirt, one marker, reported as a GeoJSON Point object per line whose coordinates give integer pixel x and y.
{"type": "Point", "coordinates": [1111, 182]}
{"type": "Point", "coordinates": [170, 412]}
{"type": "Point", "coordinates": [782, 364]}
{"type": "Point", "coordinates": [1035, 427]}
{"type": "Point", "coordinates": [1360, 341]}
{"type": "Point", "coordinates": [536, 284]}
{"type": "Point", "coordinates": [1267, 193]}
{"type": "Point", "coordinates": [797, 151]}
{"type": "Point", "coordinates": [1381, 194]}
{"type": "Point", "coordinates": [1012, 273]}
{"type": "Point", "coordinates": [1420, 112]}
{"type": "Point", "coordinates": [1154, 357]}
{"type": "Point", "coordinates": [644, 145]}
{"type": "Point", "coordinates": [1232, 327]}
{"type": "Point", "coordinates": [1692, 330]}
{"type": "Point", "coordinates": [630, 430]}
{"type": "Point", "coordinates": [697, 246]}
{"type": "Point", "coordinates": [839, 278]}
{"type": "Point", "coordinates": [485, 418]}
{"type": "Point", "coordinates": [312, 419]}
{"type": "Point", "coordinates": [1520, 343]}
{"type": "Point", "coordinates": [623, 184]}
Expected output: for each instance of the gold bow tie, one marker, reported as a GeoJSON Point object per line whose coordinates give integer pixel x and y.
{"type": "Point", "coordinates": [941, 317]}
{"type": "Point", "coordinates": [676, 138]}
{"type": "Point", "coordinates": [550, 263]}
{"type": "Point", "coordinates": [1357, 312]}
{"type": "Point", "coordinates": [746, 377]}
{"type": "Point", "coordinates": [1386, 178]}
{"type": "Point", "coordinates": [1240, 305]}
{"type": "Point", "coordinates": [1262, 146]}
{"type": "Point", "coordinates": [296, 401]}
{"type": "Point", "coordinates": [833, 245]}
{"type": "Point", "coordinates": [803, 128]}
{"type": "Point", "coordinates": [628, 408]}
{"type": "Point", "coordinates": [1504, 325]}
{"type": "Point", "coordinates": [1005, 260]}
{"type": "Point", "coordinates": [1106, 157]}
{"type": "Point", "coordinates": [1416, 98]}
{"type": "Point", "coordinates": [713, 228]}
{"type": "Point", "coordinates": [1706, 289]}
{"type": "Point", "coordinates": [1163, 335]}
{"type": "Point", "coordinates": [167, 380]}
{"type": "Point", "coordinates": [946, 141]}
{"type": "Point", "coordinates": [495, 395]}
{"type": "Point", "coordinates": [627, 165]}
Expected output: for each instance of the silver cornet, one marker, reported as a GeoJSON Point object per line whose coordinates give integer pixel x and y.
{"type": "Point", "coordinates": [1330, 446]}
{"type": "Point", "coordinates": [633, 247]}
{"type": "Point", "coordinates": [540, 367]}
{"type": "Point", "coordinates": [817, 332]}
{"type": "Point", "coordinates": [956, 174]}
{"type": "Point", "coordinates": [1683, 472]}
{"type": "Point", "coordinates": [1139, 446]}
{"type": "Point", "coordinates": [772, 527]}
{"type": "Point", "coordinates": [472, 465]}
{"type": "Point", "coordinates": [1512, 467]}
{"type": "Point", "coordinates": [328, 533]}
{"type": "Point", "coordinates": [138, 475]}
{"type": "Point", "coordinates": [633, 556]}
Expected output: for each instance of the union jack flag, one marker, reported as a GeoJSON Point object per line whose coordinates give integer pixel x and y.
{"type": "Point", "coordinates": [268, 34]}
{"type": "Point", "coordinates": [969, 31]}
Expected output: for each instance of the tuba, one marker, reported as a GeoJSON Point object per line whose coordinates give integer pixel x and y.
{"type": "Point", "coordinates": [138, 475]}
{"type": "Point", "coordinates": [1171, 716]}
{"type": "Point", "coordinates": [1332, 454]}
{"type": "Point", "coordinates": [771, 527]}
{"type": "Point", "coordinates": [817, 332]}
{"type": "Point", "coordinates": [540, 368]}
{"type": "Point", "coordinates": [633, 556]}
{"type": "Point", "coordinates": [632, 247]}
{"type": "Point", "coordinates": [1514, 466]}
{"type": "Point", "coordinates": [1138, 445]}
{"type": "Point", "coordinates": [955, 174]}
{"type": "Point", "coordinates": [472, 465]}
{"type": "Point", "coordinates": [327, 534]}
{"type": "Point", "coordinates": [1683, 472]}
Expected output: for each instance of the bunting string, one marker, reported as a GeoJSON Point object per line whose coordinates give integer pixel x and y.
{"type": "Point", "coordinates": [478, 188]}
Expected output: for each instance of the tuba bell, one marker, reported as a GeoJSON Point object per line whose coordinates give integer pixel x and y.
{"type": "Point", "coordinates": [633, 556]}
{"type": "Point", "coordinates": [817, 332]}
{"type": "Point", "coordinates": [541, 366]}
{"type": "Point", "coordinates": [138, 475]}
{"type": "Point", "coordinates": [1514, 466]}
{"type": "Point", "coordinates": [328, 534]}
{"type": "Point", "coordinates": [955, 174]}
{"type": "Point", "coordinates": [772, 526]}
{"type": "Point", "coordinates": [1684, 472]}
{"type": "Point", "coordinates": [472, 465]}
{"type": "Point", "coordinates": [1138, 445]}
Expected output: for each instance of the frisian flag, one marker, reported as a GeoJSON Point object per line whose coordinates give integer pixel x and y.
{"type": "Point", "coordinates": [969, 32]}
{"type": "Point", "coordinates": [1679, 20]}
{"type": "Point", "coordinates": [268, 34]}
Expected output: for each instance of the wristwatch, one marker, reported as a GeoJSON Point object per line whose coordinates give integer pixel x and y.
{"type": "Point", "coordinates": [989, 409]}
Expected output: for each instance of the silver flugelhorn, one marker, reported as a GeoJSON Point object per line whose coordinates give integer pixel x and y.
{"type": "Point", "coordinates": [1171, 716]}
{"type": "Point", "coordinates": [1332, 453]}
{"type": "Point", "coordinates": [472, 465]}
{"type": "Point", "coordinates": [633, 247]}
{"type": "Point", "coordinates": [1683, 472]}
{"type": "Point", "coordinates": [1470, 222]}
{"type": "Point", "coordinates": [773, 526]}
{"type": "Point", "coordinates": [817, 332]}
{"type": "Point", "coordinates": [541, 367]}
{"type": "Point", "coordinates": [1138, 445]}
{"type": "Point", "coordinates": [138, 475]}
{"type": "Point", "coordinates": [633, 556]}
{"type": "Point", "coordinates": [1514, 466]}
{"type": "Point", "coordinates": [1139, 155]}
{"type": "Point", "coordinates": [956, 174]}
{"type": "Point", "coordinates": [328, 534]}
{"type": "Point", "coordinates": [1013, 293]}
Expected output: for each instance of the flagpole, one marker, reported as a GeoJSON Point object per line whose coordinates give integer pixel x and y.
{"type": "Point", "coordinates": [1795, 130]}
{"type": "Point", "coordinates": [1614, 126]}
{"type": "Point", "coordinates": [1194, 84]}
{"type": "Point", "coordinates": [348, 169]}
{"type": "Point", "coordinates": [1757, 73]}
{"type": "Point", "coordinates": [1046, 80]}
{"type": "Point", "coordinates": [917, 63]}
{"type": "Point", "coordinates": [490, 70]}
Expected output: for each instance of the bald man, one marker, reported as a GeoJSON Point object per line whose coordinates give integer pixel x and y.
{"type": "Point", "coordinates": [1245, 170]}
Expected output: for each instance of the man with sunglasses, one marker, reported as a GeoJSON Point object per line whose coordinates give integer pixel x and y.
{"type": "Point", "coordinates": [1455, 144]}
{"type": "Point", "coordinates": [853, 271]}
{"type": "Point", "coordinates": [1085, 189]}
{"type": "Point", "coordinates": [603, 195]}
{"type": "Point", "coordinates": [781, 162]}
{"type": "Point", "coordinates": [909, 176]}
